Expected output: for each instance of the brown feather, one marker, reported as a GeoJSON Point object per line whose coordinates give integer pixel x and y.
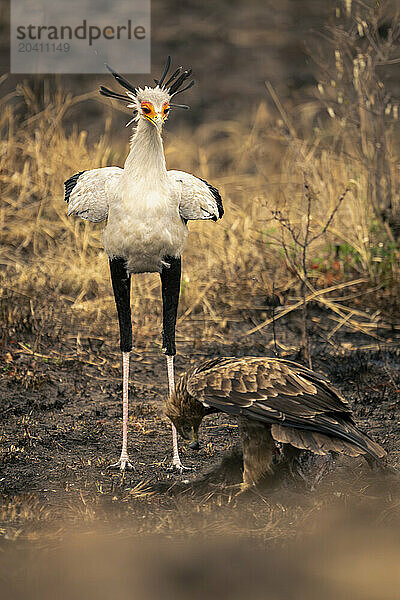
{"type": "Point", "coordinates": [315, 442]}
{"type": "Point", "coordinates": [282, 393]}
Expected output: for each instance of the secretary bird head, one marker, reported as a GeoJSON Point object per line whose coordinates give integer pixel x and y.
{"type": "Point", "coordinates": [151, 103]}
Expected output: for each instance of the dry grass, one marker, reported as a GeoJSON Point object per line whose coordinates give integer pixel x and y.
{"type": "Point", "coordinates": [53, 261]}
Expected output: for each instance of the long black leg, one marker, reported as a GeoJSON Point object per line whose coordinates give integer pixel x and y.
{"type": "Point", "coordinates": [121, 282]}
{"type": "Point", "coordinates": [170, 283]}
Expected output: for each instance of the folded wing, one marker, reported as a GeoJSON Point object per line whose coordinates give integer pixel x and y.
{"type": "Point", "coordinates": [301, 405]}
{"type": "Point", "coordinates": [199, 200]}
{"type": "Point", "coordinates": [89, 193]}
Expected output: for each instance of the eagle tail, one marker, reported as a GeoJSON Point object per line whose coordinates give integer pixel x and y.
{"type": "Point", "coordinates": [319, 443]}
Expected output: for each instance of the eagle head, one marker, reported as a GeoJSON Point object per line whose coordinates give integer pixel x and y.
{"type": "Point", "coordinates": [186, 413]}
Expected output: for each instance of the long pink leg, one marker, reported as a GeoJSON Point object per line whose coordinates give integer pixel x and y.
{"type": "Point", "coordinates": [176, 461]}
{"type": "Point", "coordinates": [123, 462]}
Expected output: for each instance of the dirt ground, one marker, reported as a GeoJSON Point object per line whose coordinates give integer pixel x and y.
{"type": "Point", "coordinates": [70, 527]}
{"type": "Point", "coordinates": [61, 427]}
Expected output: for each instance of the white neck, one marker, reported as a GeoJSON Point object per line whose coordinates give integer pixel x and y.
{"type": "Point", "coordinates": [146, 160]}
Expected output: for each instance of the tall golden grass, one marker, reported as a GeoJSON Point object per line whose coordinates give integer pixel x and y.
{"type": "Point", "coordinates": [229, 267]}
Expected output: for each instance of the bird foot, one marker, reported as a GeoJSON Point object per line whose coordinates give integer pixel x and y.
{"type": "Point", "coordinates": [178, 467]}
{"type": "Point", "coordinates": [239, 488]}
{"type": "Point", "coordinates": [123, 464]}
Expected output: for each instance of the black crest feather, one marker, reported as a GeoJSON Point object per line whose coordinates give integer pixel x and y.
{"type": "Point", "coordinates": [181, 79]}
{"type": "Point", "coordinates": [121, 80]}
{"type": "Point", "coordinates": [172, 86]}
{"type": "Point", "coordinates": [111, 94]}
{"type": "Point", "coordinates": [166, 69]}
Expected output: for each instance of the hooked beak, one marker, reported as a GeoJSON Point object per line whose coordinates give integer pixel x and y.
{"type": "Point", "coordinates": [194, 443]}
{"type": "Point", "coordinates": [158, 120]}
{"type": "Point", "coordinates": [192, 437]}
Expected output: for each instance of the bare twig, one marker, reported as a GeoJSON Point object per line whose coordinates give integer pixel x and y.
{"type": "Point", "coordinates": [309, 297]}
{"type": "Point", "coordinates": [298, 261]}
{"type": "Point", "coordinates": [330, 218]}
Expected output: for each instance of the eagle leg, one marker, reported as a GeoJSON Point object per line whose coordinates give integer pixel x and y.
{"type": "Point", "coordinates": [258, 452]}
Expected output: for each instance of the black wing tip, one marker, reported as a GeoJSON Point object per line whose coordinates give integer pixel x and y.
{"type": "Point", "coordinates": [70, 183]}
{"type": "Point", "coordinates": [217, 198]}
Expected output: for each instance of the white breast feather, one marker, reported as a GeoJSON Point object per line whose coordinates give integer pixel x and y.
{"type": "Point", "coordinates": [145, 225]}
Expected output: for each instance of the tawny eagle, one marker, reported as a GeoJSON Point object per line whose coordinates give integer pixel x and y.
{"type": "Point", "coordinates": [275, 400]}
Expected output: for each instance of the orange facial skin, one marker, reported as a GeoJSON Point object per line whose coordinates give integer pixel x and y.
{"type": "Point", "coordinates": [150, 114]}
{"type": "Point", "coordinates": [165, 110]}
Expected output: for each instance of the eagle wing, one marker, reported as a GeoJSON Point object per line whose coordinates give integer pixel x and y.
{"type": "Point", "coordinates": [300, 405]}
{"type": "Point", "coordinates": [89, 193]}
{"type": "Point", "coordinates": [199, 200]}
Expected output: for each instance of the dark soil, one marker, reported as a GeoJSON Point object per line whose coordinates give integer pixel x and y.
{"type": "Point", "coordinates": [61, 427]}
{"type": "Point", "coordinates": [70, 528]}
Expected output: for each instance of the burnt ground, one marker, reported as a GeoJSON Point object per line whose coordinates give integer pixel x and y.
{"type": "Point", "coordinates": [70, 528]}
{"type": "Point", "coordinates": [61, 427]}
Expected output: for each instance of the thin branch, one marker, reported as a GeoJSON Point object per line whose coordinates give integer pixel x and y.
{"type": "Point", "coordinates": [330, 219]}
{"type": "Point", "coordinates": [309, 297]}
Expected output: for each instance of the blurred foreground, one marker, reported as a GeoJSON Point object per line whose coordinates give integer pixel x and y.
{"type": "Point", "coordinates": [342, 557]}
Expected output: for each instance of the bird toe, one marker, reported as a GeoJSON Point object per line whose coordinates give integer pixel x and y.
{"type": "Point", "coordinates": [123, 464]}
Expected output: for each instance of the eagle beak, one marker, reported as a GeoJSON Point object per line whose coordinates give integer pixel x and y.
{"type": "Point", "coordinates": [194, 444]}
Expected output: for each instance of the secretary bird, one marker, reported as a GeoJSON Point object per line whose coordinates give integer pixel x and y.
{"type": "Point", "coordinates": [274, 400]}
{"type": "Point", "coordinates": [147, 209]}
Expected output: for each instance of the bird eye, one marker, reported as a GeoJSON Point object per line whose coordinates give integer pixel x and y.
{"type": "Point", "coordinates": [146, 110]}
{"type": "Point", "coordinates": [166, 111]}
